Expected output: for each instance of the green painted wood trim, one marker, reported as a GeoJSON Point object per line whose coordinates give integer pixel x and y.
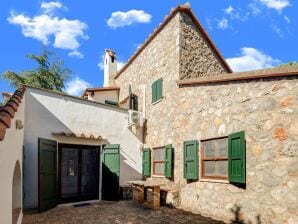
{"type": "Point", "coordinates": [237, 157]}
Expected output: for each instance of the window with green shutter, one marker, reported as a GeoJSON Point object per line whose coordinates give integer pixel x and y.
{"type": "Point", "coordinates": [191, 160]}
{"type": "Point", "coordinates": [237, 154]}
{"type": "Point", "coordinates": [146, 162]}
{"type": "Point", "coordinates": [157, 90]}
{"type": "Point", "coordinates": [168, 161]}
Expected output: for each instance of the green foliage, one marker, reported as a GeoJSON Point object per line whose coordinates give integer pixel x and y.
{"type": "Point", "coordinates": [49, 74]}
{"type": "Point", "coordinates": [292, 63]}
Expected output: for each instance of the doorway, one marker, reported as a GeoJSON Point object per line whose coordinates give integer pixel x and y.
{"type": "Point", "coordinates": [78, 173]}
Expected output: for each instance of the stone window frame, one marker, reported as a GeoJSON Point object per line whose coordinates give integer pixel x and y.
{"type": "Point", "coordinates": [203, 177]}
{"type": "Point", "coordinates": [158, 161]}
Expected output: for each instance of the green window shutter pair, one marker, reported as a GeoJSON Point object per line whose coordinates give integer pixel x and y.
{"type": "Point", "coordinates": [146, 162]}
{"type": "Point", "coordinates": [237, 157]}
{"type": "Point", "coordinates": [168, 161]}
{"type": "Point", "coordinates": [157, 90]}
{"type": "Point", "coordinates": [190, 153]}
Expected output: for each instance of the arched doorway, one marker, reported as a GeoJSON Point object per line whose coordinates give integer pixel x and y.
{"type": "Point", "coordinates": [16, 193]}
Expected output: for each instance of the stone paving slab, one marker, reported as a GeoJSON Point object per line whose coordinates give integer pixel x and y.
{"type": "Point", "coordinates": [115, 212]}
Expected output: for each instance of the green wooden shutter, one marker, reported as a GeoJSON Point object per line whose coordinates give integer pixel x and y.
{"type": "Point", "coordinates": [159, 89]}
{"type": "Point", "coordinates": [237, 154]}
{"type": "Point", "coordinates": [191, 160]}
{"type": "Point", "coordinates": [153, 87]}
{"type": "Point", "coordinates": [147, 162]}
{"type": "Point", "coordinates": [168, 161]}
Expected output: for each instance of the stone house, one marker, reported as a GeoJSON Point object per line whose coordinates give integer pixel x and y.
{"type": "Point", "coordinates": [176, 115]}
{"type": "Point", "coordinates": [233, 136]}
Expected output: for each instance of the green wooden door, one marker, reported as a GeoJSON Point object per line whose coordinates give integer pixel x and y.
{"type": "Point", "coordinates": [110, 172]}
{"type": "Point", "coordinates": [47, 167]}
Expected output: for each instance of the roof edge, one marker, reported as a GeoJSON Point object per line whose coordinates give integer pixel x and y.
{"type": "Point", "coordinates": [77, 98]}
{"type": "Point", "coordinates": [98, 89]}
{"type": "Point", "coordinates": [182, 8]}
{"type": "Point", "coordinates": [239, 76]}
{"type": "Point", "coordinates": [8, 111]}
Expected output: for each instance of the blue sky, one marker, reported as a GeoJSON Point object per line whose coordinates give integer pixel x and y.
{"type": "Point", "coordinates": [250, 34]}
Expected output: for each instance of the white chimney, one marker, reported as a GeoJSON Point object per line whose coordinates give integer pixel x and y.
{"type": "Point", "coordinates": [110, 66]}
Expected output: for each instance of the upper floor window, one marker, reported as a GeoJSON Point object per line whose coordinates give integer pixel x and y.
{"type": "Point", "coordinates": [157, 90]}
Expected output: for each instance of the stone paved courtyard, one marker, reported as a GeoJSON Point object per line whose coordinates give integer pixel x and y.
{"type": "Point", "coordinates": [114, 212]}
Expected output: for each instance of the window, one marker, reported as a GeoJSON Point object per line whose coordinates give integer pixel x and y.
{"type": "Point", "coordinates": [112, 103]}
{"type": "Point", "coordinates": [214, 158]}
{"type": "Point", "coordinates": [157, 90]}
{"type": "Point", "coordinates": [159, 161]}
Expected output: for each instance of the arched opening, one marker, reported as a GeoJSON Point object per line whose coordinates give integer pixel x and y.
{"type": "Point", "coordinates": [16, 193]}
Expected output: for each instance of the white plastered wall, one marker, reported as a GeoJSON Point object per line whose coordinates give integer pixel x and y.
{"type": "Point", "coordinates": [102, 96]}
{"type": "Point", "coordinates": [11, 152]}
{"type": "Point", "coordinates": [49, 112]}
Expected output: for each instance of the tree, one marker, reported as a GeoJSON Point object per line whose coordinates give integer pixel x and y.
{"type": "Point", "coordinates": [292, 63]}
{"type": "Point", "coordinates": [49, 74]}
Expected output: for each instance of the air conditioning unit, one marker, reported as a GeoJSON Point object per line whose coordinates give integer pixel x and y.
{"type": "Point", "coordinates": [135, 118]}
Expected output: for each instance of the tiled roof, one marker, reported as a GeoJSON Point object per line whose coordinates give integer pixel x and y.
{"type": "Point", "coordinates": [237, 76]}
{"type": "Point", "coordinates": [71, 134]}
{"type": "Point", "coordinates": [180, 8]}
{"type": "Point", "coordinates": [7, 111]}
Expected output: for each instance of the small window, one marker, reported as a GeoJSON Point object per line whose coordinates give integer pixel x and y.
{"type": "Point", "coordinates": [111, 103]}
{"type": "Point", "coordinates": [159, 161]}
{"type": "Point", "coordinates": [157, 90]}
{"type": "Point", "coordinates": [112, 59]}
{"type": "Point", "coordinates": [214, 158]}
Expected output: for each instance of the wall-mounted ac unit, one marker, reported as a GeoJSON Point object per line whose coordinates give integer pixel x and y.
{"type": "Point", "coordinates": [135, 118]}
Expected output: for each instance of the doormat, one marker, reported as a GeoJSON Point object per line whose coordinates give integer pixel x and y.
{"type": "Point", "coordinates": [81, 205]}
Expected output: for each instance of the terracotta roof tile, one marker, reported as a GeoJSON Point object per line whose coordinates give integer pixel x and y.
{"type": "Point", "coordinates": [7, 112]}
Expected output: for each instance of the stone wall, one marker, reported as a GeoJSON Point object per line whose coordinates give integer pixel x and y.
{"type": "Point", "coordinates": [160, 59]}
{"type": "Point", "coordinates": [197, 59]}
{"type": "Point", "coordinates": [267, 111]}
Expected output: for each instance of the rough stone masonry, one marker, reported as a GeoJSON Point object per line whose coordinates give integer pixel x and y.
{"type": "Point", "coordinates": [266, 109]}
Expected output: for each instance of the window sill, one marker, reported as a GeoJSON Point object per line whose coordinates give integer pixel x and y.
{"type": "Point", "coordinates": [157, 101]}
{"type": "Point", "coordinates": [214, 181]}
{"type": "Point", "coordinates": [158, 176]}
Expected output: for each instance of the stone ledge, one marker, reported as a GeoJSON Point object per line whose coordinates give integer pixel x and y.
{"type": "Point", "coordinates": [241, 76]}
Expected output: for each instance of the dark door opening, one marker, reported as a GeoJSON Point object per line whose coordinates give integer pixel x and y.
{"type": "Point", "coordinates": [110, 172]}
{"type": "Point", "coordinates": [78, 173]}
{"type": "Point", "coordinates": [47, 174]}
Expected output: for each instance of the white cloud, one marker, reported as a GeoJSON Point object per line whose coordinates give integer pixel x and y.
{"type": "Point", "coordinates": [254, 8]}
{"type": "Point", "coordinates": [49, 7]}
{"type": "Point", "coordinates": [100, 65]}
{"type": "Point", "coordinates": [76, 54]}
{"type": "Point", "coordinates": [65, 32]}
{"type": "Point", "coordinates": [223, 24]}
{"type": "Point", "coordinates": [76, 86]}
{"type": "Point", "coordinates": [251, 59]}
{"type": "Point", "coordinates": [278, 5]}
{"type": "Point", "coordinates": [277, 30]}
{"type": "Point", "coordinates": [287, 19]}
{"type": "Point", "coordinates": [120, 64]}
{"type": "Point", "coordinates": [229, 10]}
{"type": "Point", "coordinates": [121, 19]}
